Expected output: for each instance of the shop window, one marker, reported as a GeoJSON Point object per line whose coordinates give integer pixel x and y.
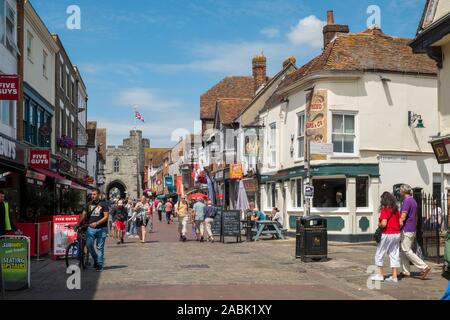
{"type": "Point", "coordinates": [330, 193]}
{"type": "Point", "coordinates": [362, 192]}
{"type": "Point", "coordinates": [344, 134]}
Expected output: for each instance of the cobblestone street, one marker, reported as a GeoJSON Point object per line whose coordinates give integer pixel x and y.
{"type": "Point", "coordinates": [164, 268]}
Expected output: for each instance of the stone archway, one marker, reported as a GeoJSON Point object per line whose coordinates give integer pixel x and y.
{"type": "Point", "coordinates": [116, 189]}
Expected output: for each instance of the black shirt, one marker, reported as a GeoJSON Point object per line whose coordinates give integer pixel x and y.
{"type": "Point", "coordinates": [121, 214]}
{"type": "Point", "coordinates": [96, 211]}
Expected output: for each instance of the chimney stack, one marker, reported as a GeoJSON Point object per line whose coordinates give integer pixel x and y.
{"type": "Point", "coordinates": [259, 71]}
{"type": "Point", "coordinates": [289, 60]}
{"type": "Point", "coordinates": [331, 29]}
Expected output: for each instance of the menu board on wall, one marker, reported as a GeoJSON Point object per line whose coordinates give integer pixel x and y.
{"type": "Point", "coordinates": [316, 119]}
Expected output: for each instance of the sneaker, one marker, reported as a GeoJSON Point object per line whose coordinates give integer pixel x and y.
{"type": "Point", "coordinates": [184, 239]}
{"type": "Point", "coordinates": [128, 234]}
{"type": "Point", "coordinates": [95, 265]}
{"type": "Point", "coordinates": [202, 240]}
{"type": "Point", "coordinates": [118, 242]}
{"type": "Point", "coordinates": [99, 269]}
{"type": "Point", "coordinates": [390, 279]}
{"type": "Point", "coordinates": [377, 277]}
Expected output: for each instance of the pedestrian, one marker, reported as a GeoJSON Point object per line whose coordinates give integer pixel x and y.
{"type": "Point", "coordinates": [150, 216]}
{"type": "Point", "coordinates": [140, 214]}
{"type": "Point", "coordinates": [408, 225]}
{"type": "Point", "coordinates": [277, 217]}
{"type": "Point", "coordinates": [168, 209]}
{"type": "Point", "coordinates": [198, 212]}
{"type": "Point", "coordinates": [182, 209]}
{"type": "Point", "coordinates": [6, 225]}
{"type": "Point", "coordinates": [97, 214]}
{"type": "Point", "coordinates": [210, 214]}
{"type": "Point", "coordinates": [389, 222]}
{"type": "Point", "coordinates": [120, 215]}
{"type": "Point", "coordinates": [159, 209]}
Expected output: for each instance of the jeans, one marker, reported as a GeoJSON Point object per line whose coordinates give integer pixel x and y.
{"type": "Point", "coordinates": [98, 235]}
{"type": "Point", "coordinates": [168, 215]}
{"type": "Point", "coordinates": [160, 215]}
{"type": "Point", "coordinates": [132, 228]}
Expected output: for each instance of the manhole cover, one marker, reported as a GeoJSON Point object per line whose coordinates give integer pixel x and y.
{"type": "Point", "coordinates": [195, 266]}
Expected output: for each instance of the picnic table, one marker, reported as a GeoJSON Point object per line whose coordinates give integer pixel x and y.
{"type": "Point", "coordinates": [268, 227]}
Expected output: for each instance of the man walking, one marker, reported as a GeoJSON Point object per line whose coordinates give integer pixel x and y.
{"type": "Point", "coordinates": [210, 214]}
{"type": "Point", "coordinates": [408, 225]}
{"type": "Point", "coordinates": [97, 214]}
{"type": "Point", "coordinates": [182, 209]}
{"type": "Point", "coordinates": [120, 216]}
{"type": "Point", "coordinates": [199, 217]}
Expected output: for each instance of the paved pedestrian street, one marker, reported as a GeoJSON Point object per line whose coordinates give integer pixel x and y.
{"type": "Point", "coordinates": [164, 268]}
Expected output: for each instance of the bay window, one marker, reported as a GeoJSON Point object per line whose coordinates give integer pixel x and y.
{"type": "Point", "coordinates": [330, 193]}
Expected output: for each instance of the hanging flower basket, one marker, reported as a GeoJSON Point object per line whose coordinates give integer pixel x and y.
{"type": "Point", "coordinates": [66, 142]}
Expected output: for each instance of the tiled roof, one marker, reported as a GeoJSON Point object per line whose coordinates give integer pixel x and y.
{"type": "Point", "coordinates": [229, 109]}
{"type": "Point", "coordinates": [230, 87]}
{"type": "Point", "coordinates": [371, 50]}
{"type": "Point", "coordinates": [156, 155]}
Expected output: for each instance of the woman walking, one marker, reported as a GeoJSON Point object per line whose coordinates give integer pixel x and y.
{"type": "Point", "coordinates": [140, 214]}
{"type": "Point", "coordinates": [389, 223]}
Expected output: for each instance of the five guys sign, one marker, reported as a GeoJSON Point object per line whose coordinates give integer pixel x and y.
{"type": "Point", "coordinates": [39, 159]}
{"type": "Point", "coordinates": [9, 87]}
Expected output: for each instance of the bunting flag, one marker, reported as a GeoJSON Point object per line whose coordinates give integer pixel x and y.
{"type": "Point", "coordinates": [139, 116]}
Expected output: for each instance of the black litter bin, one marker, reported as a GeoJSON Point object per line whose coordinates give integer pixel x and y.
{"type": "Point", "coordinates": [312, 239]}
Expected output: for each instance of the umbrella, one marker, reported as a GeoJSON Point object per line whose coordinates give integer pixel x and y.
{"type": "Point", "coordinates": [197, 196]}
{"type": "Point", "coordinates": [242, 200]}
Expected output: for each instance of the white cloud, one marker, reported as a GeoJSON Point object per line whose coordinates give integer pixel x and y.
{"type": "Point", "coordinates": [270, 32]}
{"type": "Point", "coordinates": [145, 99]}
{"type": "Point", "coordinates": [308, 31]}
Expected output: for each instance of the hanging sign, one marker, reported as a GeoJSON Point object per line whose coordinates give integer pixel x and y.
{"type": "Point", "coordinates": [236, 171]}
{"type": "Point", "coordinates": [39, 159]}
{"type": "Point", "coordinates": [9, 87]}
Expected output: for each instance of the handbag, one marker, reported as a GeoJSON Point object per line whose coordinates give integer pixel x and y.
{"type": "Point", "coordinates": [379, 232]}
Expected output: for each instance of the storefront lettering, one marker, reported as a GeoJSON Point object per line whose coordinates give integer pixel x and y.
{"type": "Point", "coordinates": [7, 149]}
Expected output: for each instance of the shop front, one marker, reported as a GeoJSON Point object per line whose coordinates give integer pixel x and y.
{"type": "Point", "coordinates": [12, 174]}
{"type": "Point", "coordinates": [347, 195]}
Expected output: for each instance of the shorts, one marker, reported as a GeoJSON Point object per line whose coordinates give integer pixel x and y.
{"type": "Point", "coordinates": [120, 225]}
{"type": "Point", "coordinates": [140, 222]}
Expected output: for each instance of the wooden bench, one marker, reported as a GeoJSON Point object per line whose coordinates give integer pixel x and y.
{"type": "Point", "coordinates": [267, 228]}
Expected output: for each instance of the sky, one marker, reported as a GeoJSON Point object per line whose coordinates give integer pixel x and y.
{"type": "Point", "coordinates": [162, 55]}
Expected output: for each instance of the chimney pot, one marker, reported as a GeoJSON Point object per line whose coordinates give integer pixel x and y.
{"type": "Point", "coordinates": [330, 17]}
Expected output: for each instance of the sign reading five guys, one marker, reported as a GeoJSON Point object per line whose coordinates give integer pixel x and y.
{"type": "Point", "coordinates": [39, 159]}
{"type": "Point", "coordinates": [9, 87]}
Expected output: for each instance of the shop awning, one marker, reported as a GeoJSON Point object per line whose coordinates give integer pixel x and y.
{"type": "Point", "coordinates": [77, 186]}
{"type": "Point", "coordinates": [54, 175]}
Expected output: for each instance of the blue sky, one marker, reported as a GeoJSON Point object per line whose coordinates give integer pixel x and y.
{"type": "Point", "coordinates": [163, 54]}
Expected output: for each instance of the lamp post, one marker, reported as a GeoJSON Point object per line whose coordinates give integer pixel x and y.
{"type": "Point", "coordinates": [307, 164]}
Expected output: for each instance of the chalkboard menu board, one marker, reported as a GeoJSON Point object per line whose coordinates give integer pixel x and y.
{"type": "Point", "coordinates": [217, 225]}
{"type": "Point", "coordinates": [231, 224]}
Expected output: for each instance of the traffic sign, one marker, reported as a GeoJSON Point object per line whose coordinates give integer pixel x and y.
{"type": "Point", "coordinates": [309, 192]}
{"type": "Point", "coordinates": [321, 148]}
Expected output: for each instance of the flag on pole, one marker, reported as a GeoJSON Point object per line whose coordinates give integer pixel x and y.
{"type": "Point", "coordinates": [139, 116]}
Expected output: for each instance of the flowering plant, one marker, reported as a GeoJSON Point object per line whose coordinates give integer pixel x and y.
{"type": "Point", "coordinates": [66, 142]}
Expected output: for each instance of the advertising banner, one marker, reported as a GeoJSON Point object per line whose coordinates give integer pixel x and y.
{"type": "Point", "coordinates": [441, 150]}
{"type": "Point", "coordinates": [9, 87]}
{"type": "Point", "coordinates": [15, 260]}
{"type": "Point", "coordinates": [63, 233]}
{"type": "Point", "coordinates": [39, 159]}
{"type": "Point", "coordinates": [236, 171]}
{"type": "Point", "coordinates": [29, 230]}
{"type": "Point", "coordinates": [316, 120]}
{"type": "Point", "coordinates": [252, 142]}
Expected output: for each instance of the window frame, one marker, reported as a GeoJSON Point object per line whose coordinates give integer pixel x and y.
{"type": "Point", "coordinates": [272, 145]}
{"type": "Point", "coordinates": [344, 113]}
{"type": "Point", "coordinates": [116, 165]}
{"type": "Point", "coordinates": [44, 63]}
{"type": "Point", "coordinates": [367, 191]}
{"type": "Point", "coordinates": [300, 115]}
{"type": "Point", "coordinates": [30, 45]}
{"type": "Point", "coordinates": [344, 195]}
{"type": "Point", "coordinates": [13, 40]}
{"type": "Point", "coordinates": [294, 204]}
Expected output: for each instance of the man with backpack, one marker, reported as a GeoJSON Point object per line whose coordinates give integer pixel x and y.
{"type": "Point", "coordinates": [210, 214]}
